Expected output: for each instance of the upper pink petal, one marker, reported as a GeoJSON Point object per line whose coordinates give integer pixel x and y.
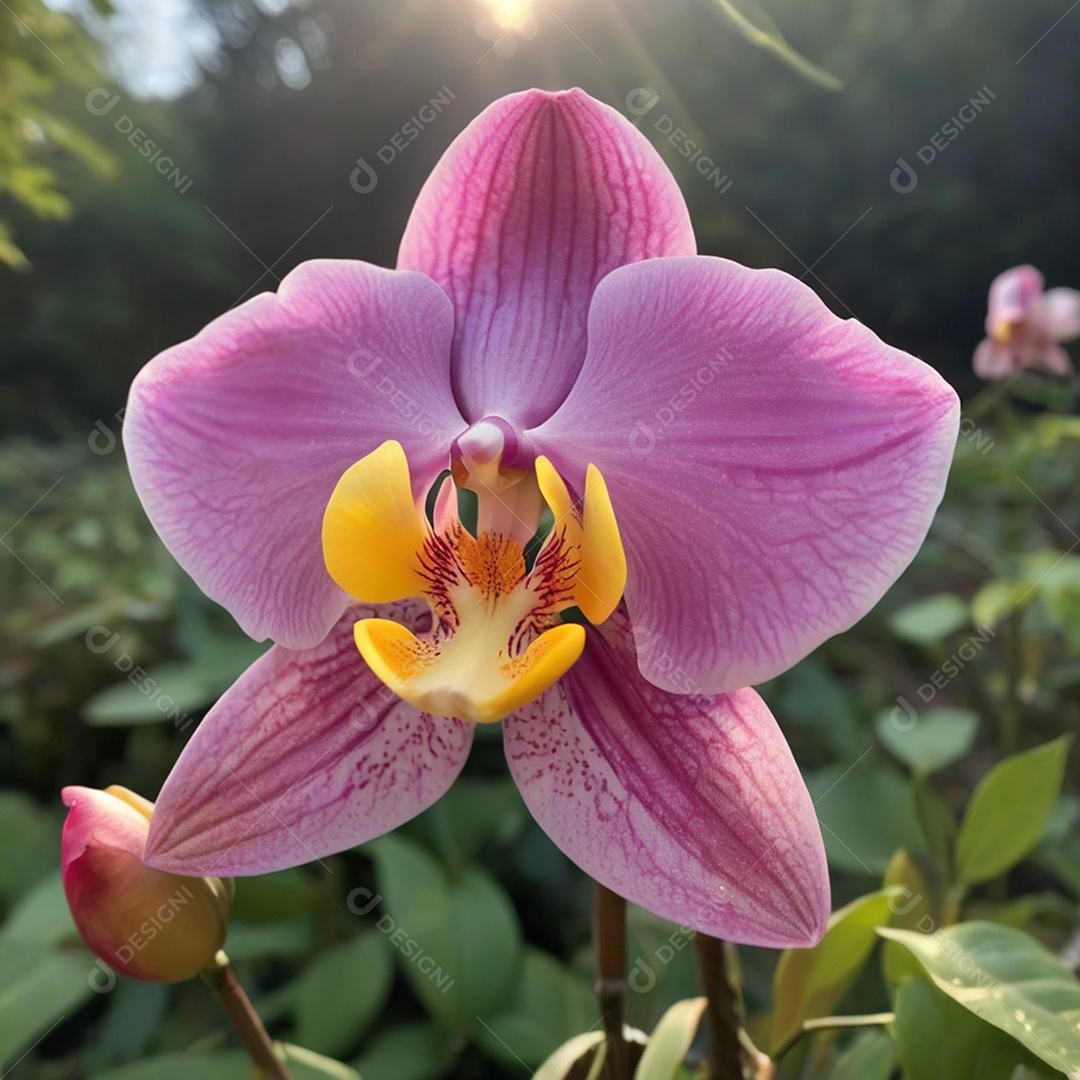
{"type": "Point", "coordinates": [772, 468]}
{"type": "Point", "coordinates": [1011, 295]}
{"type": "Point", "coordinates": [690, 806]}
{"type": "Point", "coordinates": [540, 197]}
{"type": "Point", "coordinates": [236, 438]}
{"type": "Point", "coordinates": [307, 754]}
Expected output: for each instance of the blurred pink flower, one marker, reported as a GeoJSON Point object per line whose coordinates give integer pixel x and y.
{"type": "Point", "coordinates": [734, 475]}
{"type": "Point", "coordinates": [1024, 325]}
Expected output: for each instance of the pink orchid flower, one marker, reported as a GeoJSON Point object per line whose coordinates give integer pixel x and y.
{"type": "Point", "coordinates": [1024, 325]}
{"type": "Point", "coordinates": [555, 469]}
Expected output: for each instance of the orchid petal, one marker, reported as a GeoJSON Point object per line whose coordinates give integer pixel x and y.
{"type": "Point", "coordinates": [772, 468]}
{"type": "Point", "coordinates": [1011, 295]}
{"type": "Point", "coordinates": [534, 203]}
{"type": "Point", "coordinates": [1057, 314]}
{"type": "Point", "coordinates": [307, 754]}
{"type": "Point", "coordinates": [690, 806]}
{"type": "Point", "coordinates": [236, 438]}
{"type": "Point", "coordinates": [994, 361]}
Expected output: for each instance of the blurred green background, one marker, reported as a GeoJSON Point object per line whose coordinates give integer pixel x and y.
{"type": "Point", "coordinates": [263, 110]}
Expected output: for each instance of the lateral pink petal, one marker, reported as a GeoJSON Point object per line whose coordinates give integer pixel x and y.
{"type": "Point", "coordinates": [772, 468]}
{"type": "Point", "coordinates": [1057, 314]}
{"type": "Point", "coordinates": [306, 755]}
{"type": "Point", "coordinates": [540, 197]}
{"type": "Point", "coordinates": [689, 806]}
{"type": "Point", "coordinates": [236, 438]}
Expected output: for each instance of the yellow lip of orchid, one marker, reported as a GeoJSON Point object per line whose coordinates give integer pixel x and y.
{"type": "Point", "coordinates": [496, 641]}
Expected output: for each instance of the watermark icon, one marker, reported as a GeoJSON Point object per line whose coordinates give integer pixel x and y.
{"type": "Point", "coordinates": [102, 978]}
{"type": "Point", "coordinates": [102, 439]}
{"type": "Point", "coordinates": [974, 434]}
{"type": "Point", "coordinates": [904, 715]}
{"type": "Point", "coordinates": [101, 101]}
{"type": "Point", "coordinates": [100, 639]}
{"type": "Point", "coordinates": [643, 435]}
{"type": "Point", "coordinates": [641, 101]}
{"type": "Point", "coordinates": [902, 901]}
{"type": "Point", "coordinates": [361, 901]}
{"type": "Point", "coordinates": [642, 976]}
{"type": "Point", "coordinates": [374, 370]}
{"type": "Point", "coordinates": [364, 179]}
{"type": "Point", "coordinates": [904, 178]}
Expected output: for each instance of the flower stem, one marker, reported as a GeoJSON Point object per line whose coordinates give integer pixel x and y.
{"type": "Point", "coordinates": [610, 932]}
{"type": "Point", "coordinates": [725, 1057]}
{"type": "Point", "coordinates": [223, 981]}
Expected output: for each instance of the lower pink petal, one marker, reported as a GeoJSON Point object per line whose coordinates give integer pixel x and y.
{"type": "Point", "coordinates": [690, 806]}
{"type": "Point", "coordinates": [307, 754]}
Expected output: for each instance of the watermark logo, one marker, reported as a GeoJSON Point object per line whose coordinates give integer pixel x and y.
{"type": "Point", "coordinates": [641, 101]}
{"type": "Point", "coordinates": [904, 179]}
{"type": "Point", "coordinates": [364, 179]}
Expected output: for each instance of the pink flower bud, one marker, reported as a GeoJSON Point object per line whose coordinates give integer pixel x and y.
{"type": "Point", "coordinates": [143, 922]}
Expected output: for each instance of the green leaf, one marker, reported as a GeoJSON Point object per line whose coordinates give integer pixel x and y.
{"type": "Point", "coordinates": [287, 894]}
{"type": "Point", "coordinates": [1008, 810]}
{"type": "Point", "coordinates": [29, 841]}
{"type": "Point", "coordinates": [458, 940]}
{"type": "Point", "coordinates": [937, 1039]}
{"type": "Point", "coordinates": [998, 599]}
{"type": "Point", "coordinates": [811, 982]}
{"type": "Point", "coordinates": [342, 992]}
{"type": "Point", "coordinates": [560, 1064]}
{"type": "Point", "coordinates": [233, 1065]}
{"type": "Point", "coordinates": [1007, 979]}
{"type": "Point", "coordinates": [551, 1005]}
{"type": "Point", "coordinates": [408, 1052]}
{"type": "Point", "coordinates": [305, 1064]}
{"type": "Point", "coordinates": [671, 1041]}
{"type": "Point", "coordinates": [40, 988]}
{"type": "Point", "coordinates": [930, 619]}
{"type": "Point", "coordinates": [758, 28]}
{"type": "Point", "coordinates": [870, 1057]}
{"type": "Point", "coordinates": [42, 915]}
{"type": "Point", "coordinates": [865, 815]}
{"type": "Point", "coordinates": [938, 737]}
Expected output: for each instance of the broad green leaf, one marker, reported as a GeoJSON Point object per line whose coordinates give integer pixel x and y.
{"type": "Point", "coordinates": [870, 1057]}
{"type": "Point", "coordinates": [998, 599]}
{"type": "Point", "coordinates": [232, 1065]}
{"type": "Point", "coordinates": [457, 940]}
{"type": "Point", "coordinates": [912, 906]}
{"type": "Point", "coordinates": [865, 815]}
{"type": "Point", "coordinates": [936, 738]}
{"type": "Point", "coordinates": [1009, 980]}
{"type": "Point", "coordinates": [29, 841]}
{"type": "Point", "coordinates": [1008, 810]}
{"type": "Point", "coordinates": [937, 1039]}
{"type": "Point", "coordinates": [550, 1005]}
{"type": "Point", "coordinates": [811, 982]}
{"type": "Point", "coordinates": [408, 1052]}
{"type": "Point", "coordinates": [670, 1042]}
{"type": "Point", "coordinates": [930, 619]}
{"type": "Point", "coordinates": [474, 813]}
{"type": "Point", "coordinates": [342, 992]}
{"type": "Point", "coordinates": [811, 696]}
{"type": "Point", "coordinates": [247, 941]}
{"type": "Point", "coordinates": [305, 1064]}
{"type": "Point", "coordinates": [758, 28]}
{"type": "Point", "coordinates": [936, 818]}
{"type": "Point", "coordinates": [42, 915]}
{"type": "Point", "coordinates": [40, 988]}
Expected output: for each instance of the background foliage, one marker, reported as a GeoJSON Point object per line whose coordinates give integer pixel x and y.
{"type": "Point", "coordinates": [934, 736]}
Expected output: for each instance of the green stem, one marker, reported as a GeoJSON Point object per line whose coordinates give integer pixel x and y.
{"type": "Point", "coordinates": [725, 1044]}
{"type": "Point", "coordinates": [223, 981]}
{"type": "Point", "coordinates": [610, 930]}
